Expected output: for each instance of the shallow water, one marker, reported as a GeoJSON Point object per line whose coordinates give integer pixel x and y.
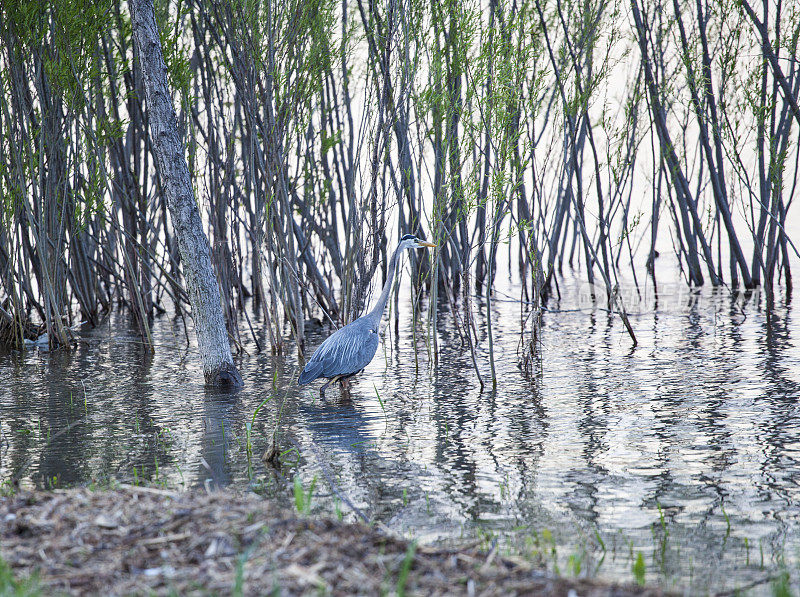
{"type": "Point", "coordinates": [686, 448]}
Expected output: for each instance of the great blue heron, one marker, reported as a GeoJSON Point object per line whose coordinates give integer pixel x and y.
{"type": "Point", "coordinates": [348, 350]}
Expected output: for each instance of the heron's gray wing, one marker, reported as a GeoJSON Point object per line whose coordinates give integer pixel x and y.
{"type": "Point", "coordinates": [321, 361]}
{"type": "Point", "coordinates": [349, 351]}
{"type": "Point", "coordinates": [311, 371]}
{"type": "Point", "coordinates": [360, 351]}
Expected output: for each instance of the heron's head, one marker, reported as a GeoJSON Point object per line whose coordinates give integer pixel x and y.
{"type": "Point", "coordinates": [409, 241]}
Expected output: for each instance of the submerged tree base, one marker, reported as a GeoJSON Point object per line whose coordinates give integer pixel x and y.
{"type": "Point", "coordinates": [227, 376]}
{"type": "Point", "coordinates": [140, 540]}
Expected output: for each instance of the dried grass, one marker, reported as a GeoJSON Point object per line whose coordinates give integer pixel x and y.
{"type": "Point", "coordinates": [136, 540]}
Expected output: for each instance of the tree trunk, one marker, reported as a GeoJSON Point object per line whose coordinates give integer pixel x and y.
{"type": "Point", "coordinates": [204, 295]}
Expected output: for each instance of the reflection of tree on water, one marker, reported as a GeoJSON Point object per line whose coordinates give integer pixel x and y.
{"type": "Point", "coordinates": [593, 401]}
{"type": "Point", "coordinates": [18, 414]}
{"type": "Point", "coordinates": [695, 450]}
{"type": "Point", "coordinates": [100, 416]}
{"type": "Point", "coordinates": [468, 430]}
{"type": "Point", "coordinates": [693, 431]}
{"type": "Point", "coordinates": [779, 430]}
{"type": "Point", "coordinates": [151, 448]}
{"type": "Point", "coordinates": [64, 458]}
{"type": "Point", "coordinates": [222, 417]}
{"type": "Point", "coordinates": [454, 415]}
{"type": "Point", "coordinates": [106, 442]}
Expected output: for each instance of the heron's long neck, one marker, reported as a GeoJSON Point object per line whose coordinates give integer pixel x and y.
{"type": "Point", "coordinates": [377, 311]}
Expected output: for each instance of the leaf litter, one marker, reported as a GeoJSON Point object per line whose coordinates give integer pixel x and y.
{"type": "Point", "coordinates": [133, 540]}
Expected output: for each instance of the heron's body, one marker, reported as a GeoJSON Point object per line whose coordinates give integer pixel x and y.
{"type": "Point", "coordinates": [348, 350]}
{"type": "Point", "coordinates": [344, 353]}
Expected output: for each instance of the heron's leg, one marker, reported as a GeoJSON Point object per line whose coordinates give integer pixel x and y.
{"type": "Point", "coordinates": [325, 385]}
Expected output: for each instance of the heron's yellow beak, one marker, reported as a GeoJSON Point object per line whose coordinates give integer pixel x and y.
{"type": "Point", "coordinates": [424, 244]}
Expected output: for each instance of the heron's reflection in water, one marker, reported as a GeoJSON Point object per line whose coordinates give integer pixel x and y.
{"type": "Point", "coordinates": [338, 435]}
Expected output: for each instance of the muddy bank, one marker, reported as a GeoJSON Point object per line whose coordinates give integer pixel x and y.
{"type": "Point", "coordinates": [145, 540]}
